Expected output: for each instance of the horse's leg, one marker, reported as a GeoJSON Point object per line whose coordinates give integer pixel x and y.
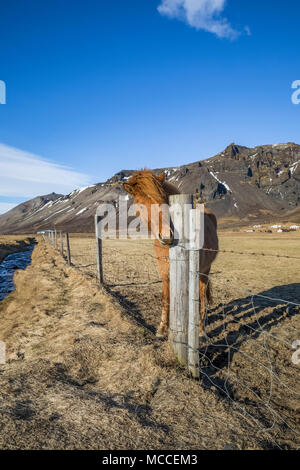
{"type": "Point", "coordinates": [165, 299]}
{"type": "Point", "coordinates": [209, 296]}
{"type": "Point", "coordinates": [162, 258]}
{"type": "Point", "coordinates": [204, 283]}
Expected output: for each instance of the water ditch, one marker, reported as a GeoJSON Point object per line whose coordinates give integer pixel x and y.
{"type": "Point", "coordinates": [8, 267]}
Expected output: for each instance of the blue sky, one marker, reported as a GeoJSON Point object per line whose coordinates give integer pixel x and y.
{"type": "Point", "coordinates": [95, 86]}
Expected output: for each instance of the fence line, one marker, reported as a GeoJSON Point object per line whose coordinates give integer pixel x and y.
{"type": "Point", "coordinates": [273, 255]}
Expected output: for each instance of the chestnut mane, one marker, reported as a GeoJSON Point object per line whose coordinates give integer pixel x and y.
{"type": "Point", "coordinates": [150, 186]}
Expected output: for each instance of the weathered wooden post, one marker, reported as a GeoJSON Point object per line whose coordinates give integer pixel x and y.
{"type": "Point", "coordinates": [180, 206]}
{"type": "Point", "coordinates": [55, 239]}
{"type": "Point", "coordinates": [61, 244]}
{"type": "Point", "coordinates": [194, 294]}
{"type": "Point", "coordinates": [98, 248]}
{"type": "Point", "coordinates": [68, 249]}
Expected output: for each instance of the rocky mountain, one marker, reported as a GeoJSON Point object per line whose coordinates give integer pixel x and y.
{"type": "Point", "coordinates": [240, 185]}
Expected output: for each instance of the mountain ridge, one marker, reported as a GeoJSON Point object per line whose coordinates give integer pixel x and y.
{"type": "Point", "coordinates": [240, 184]}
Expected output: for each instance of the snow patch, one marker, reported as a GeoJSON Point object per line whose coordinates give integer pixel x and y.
{"type": "Point", "coordinates": [80, 190]}
{"type": "Point", "coordinates": [294, 167]}
{"type": "Point", "coordinates": [219, 181]}
{"type": "Point", "coordinates": [281, 146]}
{"type": "Point", "coordinates": [82, 210]}
{"type": "Point", "coordinates": [57, 212]}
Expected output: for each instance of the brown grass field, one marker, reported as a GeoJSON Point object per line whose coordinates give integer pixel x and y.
{"type": "Point", "coordinates": [85, 370]}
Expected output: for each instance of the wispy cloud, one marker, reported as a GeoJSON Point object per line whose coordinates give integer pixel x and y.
{"type": "Point", "coordinates": [23, 174]}
{"type": "Point", "coordinates": [6, 206]}
{"type": "Point", "coordinates": [200, 14]}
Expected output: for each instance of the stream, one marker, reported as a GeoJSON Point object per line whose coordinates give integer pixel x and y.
{"type": "Point", "coordinates": [8, 267]}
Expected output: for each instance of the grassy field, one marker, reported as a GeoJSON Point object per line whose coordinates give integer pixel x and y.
{"type": "Point", "coordinates": [85, 370]}
{"type": "Point", "coordinates": [130, 270]}
{"type": "Point", "coordinates": [251, 324]}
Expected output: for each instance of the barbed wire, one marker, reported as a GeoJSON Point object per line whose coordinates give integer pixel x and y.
{"type": "Point", "coordinates": [248, 253]}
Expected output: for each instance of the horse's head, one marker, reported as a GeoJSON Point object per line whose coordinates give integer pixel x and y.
{"type": "Point", "coordinates": [145, 184]}
{"type": "Point", "coordinates": [150, 190]}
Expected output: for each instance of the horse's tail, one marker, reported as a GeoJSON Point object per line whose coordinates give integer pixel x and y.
{"type": "Point", "coordinates": [212, 217]}
{"type": "Point", "coordinates": [209, 294]}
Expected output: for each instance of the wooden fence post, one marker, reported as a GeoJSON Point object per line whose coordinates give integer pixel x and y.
{"type": "Point", "coordinates": [194, 294]}
{"type": "Point", "coordinates": [98, 249]}
{"type": "Point", "coordinates": [181, 204]}
{"type": "Point", "coordinates": [61, 244]}
{"type": "Point", "coordinates": [68, 249]}
{"type": "Point", "coordinates": [55, 239]}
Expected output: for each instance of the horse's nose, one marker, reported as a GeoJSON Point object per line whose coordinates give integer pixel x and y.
{"type": "Point", "coordinates": [167, 241]}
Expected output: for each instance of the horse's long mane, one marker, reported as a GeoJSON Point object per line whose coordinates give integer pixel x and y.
{"type": "Point", "coordinates": [152, 186]}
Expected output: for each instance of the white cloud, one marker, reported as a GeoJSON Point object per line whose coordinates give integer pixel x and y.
{"type": "Point", "coordinates": [6, 206]}
{"type": "Point", "coordinates": [23, 174]}
{"type": "Point", "coordinates": [200, 14]}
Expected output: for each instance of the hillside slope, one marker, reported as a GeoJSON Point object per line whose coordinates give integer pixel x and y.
{"type": "Point", "coordinates": [240, 183]}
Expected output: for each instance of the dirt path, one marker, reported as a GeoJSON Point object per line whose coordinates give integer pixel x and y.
{"type": "Point", "coordinates": [81, 374]}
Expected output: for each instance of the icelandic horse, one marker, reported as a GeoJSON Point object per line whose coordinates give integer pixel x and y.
{"type": "Point", "coordinates": [147, 189]}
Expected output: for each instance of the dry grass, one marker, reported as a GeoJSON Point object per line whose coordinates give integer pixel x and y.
{"type": "Point", "coordinates": [83, 372]}
{"type": "Point", "coordinates": [130, 270]}
{"type": "Point", "coordinates": [250, 337]}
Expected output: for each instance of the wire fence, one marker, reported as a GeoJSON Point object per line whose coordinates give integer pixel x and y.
{"type": "Point", "coordinates": [130, 273]}
{"type": "Point", "coordinates": [247, 357]}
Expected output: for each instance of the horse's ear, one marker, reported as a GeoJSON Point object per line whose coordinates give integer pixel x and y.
{"type": "Point", "coordinates": [162, 177]}
{"type": "Point", "coordinates": [128, 188]}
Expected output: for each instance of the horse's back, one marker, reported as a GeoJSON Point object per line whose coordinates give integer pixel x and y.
{"type": "Point", "coordinates": [211, 243]}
